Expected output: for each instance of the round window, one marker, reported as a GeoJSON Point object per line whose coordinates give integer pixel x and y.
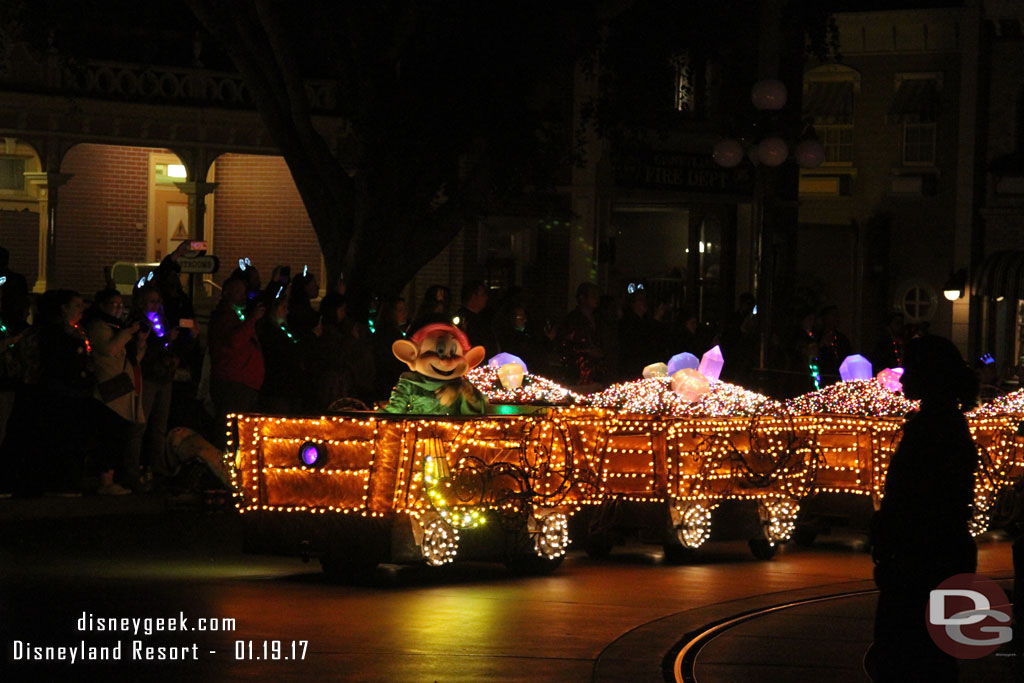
{"type": "Point", "coordinates": [918, 303]}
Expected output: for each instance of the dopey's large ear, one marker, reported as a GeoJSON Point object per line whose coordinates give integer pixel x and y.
{"type": "Point", "coordinates": [474, 357]}
{"type": "Point", "coordinates": [406, 351]}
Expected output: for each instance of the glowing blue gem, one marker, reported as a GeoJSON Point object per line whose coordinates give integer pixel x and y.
{"type": "Point", "coordinates": [682, 361]}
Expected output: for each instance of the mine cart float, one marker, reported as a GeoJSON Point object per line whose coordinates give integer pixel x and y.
{"type": "Point", "coordinates": [360, 489]}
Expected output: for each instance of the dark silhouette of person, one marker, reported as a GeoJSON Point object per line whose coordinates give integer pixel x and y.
{"type": "Point", "coordinates": [833, 345]}
{"type": "Point", "coordinates": [739, 341]}
{"type": "Point", "coordinates": [16, 293]}
{"type": "Point", "coordinates": [436, 304]}
{"type": "Point", "coordinates": [473, 317]}
{"type": "Point", "coordinates": [641, 337]}
{"type": "Point", "coordinates": [920, 535]}
{"type": "Point", "coordinates": [583, 360]}
{"type": "Point", "coordinates": [888, 351]}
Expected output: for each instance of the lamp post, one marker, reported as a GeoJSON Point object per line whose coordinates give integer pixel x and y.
{"type": "Point", "coordinates": [768, 142]}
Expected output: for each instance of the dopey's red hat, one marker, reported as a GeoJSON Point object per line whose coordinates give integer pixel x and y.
{"type": "Point", "coordinates": [459, 335]}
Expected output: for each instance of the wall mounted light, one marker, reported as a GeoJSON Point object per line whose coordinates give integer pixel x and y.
{"type": "Point", "coordinates": [955, 285]}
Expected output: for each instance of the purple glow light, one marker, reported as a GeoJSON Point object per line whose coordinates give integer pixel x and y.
{"type": "Point", "coordinates": [156, 323]}
{"type": "Point", "coordinates": [855, 367]}
{"type": "Point", "coordinates": [504, 359]}
{"type": "Point", "coordinates": [309, 454]}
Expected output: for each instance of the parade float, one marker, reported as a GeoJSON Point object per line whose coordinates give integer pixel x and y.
{"type": "Point", "coordinates": [680, 454]}
{"type": "Point", "coordinates": [996, 428]}
{"type": "Point", "coordinates": [675, 458]}
{"type": "Point", "coordinates": [856, 425]}
{"type": "Point", "coordinates": [401, 486]}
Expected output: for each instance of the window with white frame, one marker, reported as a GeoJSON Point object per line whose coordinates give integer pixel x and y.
{"type": "Point", "coordinates": [837, 139]}
{"type": "Point", "coordinates": [918, 303]}
{"type": "Point", "coordinates": [919, 144]}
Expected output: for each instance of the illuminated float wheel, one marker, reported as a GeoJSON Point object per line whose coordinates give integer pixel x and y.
{"type": "Point", "coordinates": [691, 528]}
{"type": "Point", "coordinates": [550, 538]}
{"type": "Point", "coordinates": [778, 521]}
{"type": "Point", "coordinates": [440, 541]}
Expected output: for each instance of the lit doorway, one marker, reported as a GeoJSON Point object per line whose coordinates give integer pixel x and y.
{"type": "Point", "coordinates": [168, 206]}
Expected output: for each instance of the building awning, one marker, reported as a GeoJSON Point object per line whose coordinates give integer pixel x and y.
{"type": "Point", "coordinates": [916, 101]}
{"type": "Point", "coordinates": [1000, 274]}
{"type": "Point", "coordinates": [829, 101]}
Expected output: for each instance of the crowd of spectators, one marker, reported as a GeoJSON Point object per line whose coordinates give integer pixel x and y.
{"type": "Point", "coordinates": [90, 389]}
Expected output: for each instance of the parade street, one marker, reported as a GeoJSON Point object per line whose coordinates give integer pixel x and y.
{"type": "Point", "coordinates": [170, 595]}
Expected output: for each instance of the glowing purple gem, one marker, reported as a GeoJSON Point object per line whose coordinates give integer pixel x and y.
{"type": "Point", "coordinates": [682, 361]}
{"type": "Point", "coordinates": [506, 358]}
{"type": "Point", "coordinates": [855, 367]}
{"type": "Point", "coordinates": [711, 363]}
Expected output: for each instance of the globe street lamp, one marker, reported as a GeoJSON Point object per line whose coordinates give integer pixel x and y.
{"type": "Point", "coordinates": [768, 143]}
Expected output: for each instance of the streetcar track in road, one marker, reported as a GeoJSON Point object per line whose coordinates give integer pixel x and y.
{"type": "Point", "coordinates": [684, 661]}
{"type": "Point", "coordinates": [683, 656]}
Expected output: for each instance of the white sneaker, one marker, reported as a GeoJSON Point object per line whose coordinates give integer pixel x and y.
{"type": "Point", "coordinates": [113, 490]}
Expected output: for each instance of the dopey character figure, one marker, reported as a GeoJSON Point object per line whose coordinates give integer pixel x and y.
{"type": "Point", "coordinates": [438, 356]}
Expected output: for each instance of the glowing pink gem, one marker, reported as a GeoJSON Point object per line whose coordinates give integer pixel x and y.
{"type": "Point", "coordinates": [890, 379]}
{"type": "Point", "coordinates": [711, 363]}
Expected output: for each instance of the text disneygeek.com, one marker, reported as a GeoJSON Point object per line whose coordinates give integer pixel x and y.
{"type": "Point", "coordinates": [139, 650]}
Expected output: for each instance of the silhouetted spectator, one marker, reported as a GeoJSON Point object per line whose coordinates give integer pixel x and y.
{"type": "Point", "coordinates": [582, 359]}
{"type": "Point", "coordinates": [333, 358]}
{"type": "Point", "coordinates": [15, 292]}
{"type": "Point", "coordinates": [391, 324]}
{"type": "Point", "coordinates": [473, 317]}
{"type": "Point", "coordinates": [250, 275]}
{"type": "Point", "coordinates": [607, 318]}
{"type": "Point", "coordinates": [920, 534]}
{"type": "Point", "coordinates": [641, 337]}
{"type": "Point", "coordinates": [236, 360]}
{"type": "Point", "coordinates": [12, 329]}
{"type": "Point", "coordinates": [888, 351]}
{"type": "Point", "coordinates": [435, 305]}
{"type": "Point", "coordinates": [159, 366]}
{"type": "Point", "coordinates": [119, 385]}
{"type": "Point", "coordinates": [740, 342]}
{"type": "Point", "coordinates": [833, 345]}
{"type": "Point", "coordinates": [686, 334]}
{"type": "Point", "coordinates": [283, 380]}
{"type": "Point", "coordinates": [302, 317]}
{"type": "Point", "coordinates": [167, 280]}
{"type": "Point", "coordinates": [518, 338]}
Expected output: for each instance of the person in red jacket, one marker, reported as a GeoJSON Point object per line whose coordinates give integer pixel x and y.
{"type": "Point", "coordinates": [236, 360]}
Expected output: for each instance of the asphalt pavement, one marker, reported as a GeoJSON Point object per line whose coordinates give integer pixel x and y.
{"type": "Point", "coordinates": [803, 616]}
